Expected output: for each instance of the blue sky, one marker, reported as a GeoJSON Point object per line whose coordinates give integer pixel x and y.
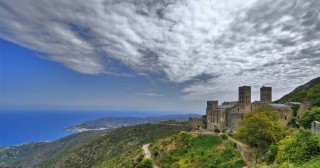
{"type": "Point", "coordinates": [156, 55]}
{"type": "Point", "coordinates": [29, 81]}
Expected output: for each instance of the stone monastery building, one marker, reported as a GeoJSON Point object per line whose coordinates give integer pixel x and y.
{"type": "Point", "coordinates": [227, 115]}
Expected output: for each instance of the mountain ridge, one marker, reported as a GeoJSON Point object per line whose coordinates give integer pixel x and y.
{"type": "Point", "coordinates": [302, 93]}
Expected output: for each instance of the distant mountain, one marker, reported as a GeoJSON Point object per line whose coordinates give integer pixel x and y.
{"type": "Point", "coordinates": [307, 92]}
{"type": "Point", "coordinates": [109, 123]}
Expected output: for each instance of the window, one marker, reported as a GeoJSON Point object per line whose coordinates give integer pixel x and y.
{"type": "Point", "coordinates": [285, 117]}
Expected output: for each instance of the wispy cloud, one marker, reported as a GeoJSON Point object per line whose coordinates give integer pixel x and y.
{"type": "Point", "coordinates": [150, 94]}
{"type": "Point", "coordinates": [230, 42]}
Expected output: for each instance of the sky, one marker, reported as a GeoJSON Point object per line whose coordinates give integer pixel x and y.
{"type": "Point", "coordinates": [156, 55]}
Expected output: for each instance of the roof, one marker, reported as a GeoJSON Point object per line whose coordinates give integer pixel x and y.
{"type": "Point", "coordinates": [298, 103]}
{"type": "Point", "coordinates": [279, 105]}
{"type": "Point", "coordinates": [230, 103]}
{"type": "Point", "coordinates": [225, 106]}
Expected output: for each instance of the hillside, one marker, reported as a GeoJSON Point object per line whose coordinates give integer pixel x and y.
{"type": "Point", "coordinates": [184, 150]}
{"type": "Point", "coordinates": [307, 92]}
{"type": "Point", "coordinates": [189, 150]}
{"type": "Point", "coordinates": [31, 154]}
{"type": "Point", "coordinates": [113, 144]}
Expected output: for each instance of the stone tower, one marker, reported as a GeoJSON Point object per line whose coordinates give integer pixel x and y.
{"type": "Point", "coordinates": [245, 97]}
{"type": "Point", "coordinates": [266, 94]}
{"type": "Point", "coordinates": [211, 105]}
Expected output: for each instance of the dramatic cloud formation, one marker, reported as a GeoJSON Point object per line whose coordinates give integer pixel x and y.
{"type": "Point", "coordinates": [212, 46]}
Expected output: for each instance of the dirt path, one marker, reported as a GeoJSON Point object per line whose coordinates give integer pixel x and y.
{"type": "Point", "coordinates": [146, 151]}
{"type": "Point", "coordinates": [145, 148]}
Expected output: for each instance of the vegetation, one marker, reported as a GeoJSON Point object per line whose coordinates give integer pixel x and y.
{"type": "Point", "coordinates": [307, 92]}
{"type": "Point", "coordinates": [31, 154]}
{"type": "Point", "coordinates": [310, 115]}
{"type": "Point", "coordinates": [129, 159]}
{"type": "Point", "coordinates": [114, 144]}
{"type": "Point", "coordinates": [299, 148]}
{"type": "Point", "coordinates": [120, 148]}
{"type": "Point", "coordinates": [260, 129]}
{"type": "Point", "coordinates": [315, 163]}
{"type": "Point", "coordinates": [187, 150]}
{"type": "Point", "coordinates": [146, 163]}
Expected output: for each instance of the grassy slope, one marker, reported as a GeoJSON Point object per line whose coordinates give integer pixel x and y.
{"type": "Point", "coordinates": [315, 163]}
{"type": "Point", "coordinates": [32, 154]}
{"type": "Point", "coordinates": [186, 151]}
{"type": "Point", "coordinates": [300, 93]}
{"type": "Point", "coordinates": [114, 144]}
{"type": "Point", "coordinates": [128, 159]}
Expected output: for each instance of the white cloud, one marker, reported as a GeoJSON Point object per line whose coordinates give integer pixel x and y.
{"type": "Point", "coordinates": [232, 42]}
{"type": "Point", "coordinates": [149, 94]}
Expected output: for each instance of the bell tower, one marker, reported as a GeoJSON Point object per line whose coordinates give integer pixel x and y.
{"type": "Point", "coordinates": [245, 96]}
{"type": "Point", "coordinates": [266, 94]}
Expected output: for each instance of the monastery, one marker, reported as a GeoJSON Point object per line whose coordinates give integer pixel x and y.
{"type": "Point", "coordinates": [227, 115]}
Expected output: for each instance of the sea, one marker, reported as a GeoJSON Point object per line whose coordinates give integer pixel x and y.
{"type": "Point", "coordinates": [20, 127]}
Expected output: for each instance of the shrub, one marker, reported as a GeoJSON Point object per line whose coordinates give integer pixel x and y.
{"type": "Point", "coordinates": [272, 153]}
{"type": "Point", "coordinates": [224, 136]}
{"type": "Point", "coordinates": [295, 108]}
{"type": "Point", "coordinates": [309, 116]}
{"type": "Point", "coordinates": [260, 129]}
{"type": "Point", "coordinates": [314, 95]}
{"type": "Point", "coordinates": [146, 163]}
{"type": "Point", "coordinates": [156, 153]}
{"type": "Point", "coordinates": [298, 148]}
{"type": "Point", "coordinates": [216, 129]}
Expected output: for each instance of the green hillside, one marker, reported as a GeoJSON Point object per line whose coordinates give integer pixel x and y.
{"type": "Point", "coordinates": [114, 144]}
{"type": "Point", "coordinates": [31, 154]}
{"type": "Point", "coordinates": [184, 150]}
{"type": "Point", "coordinates": [307, 92]}
{"type": "Point", "coordinates": [196, 151]}
{"type": "Point", "coordinates": [129, 159]}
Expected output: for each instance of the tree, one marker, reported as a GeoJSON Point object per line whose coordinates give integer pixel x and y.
{"type": "Point", "coordinates": [260, 129]}
{"type": "Point", "coordinates": [146, 163]}
{"type": "Point", "coordinates": [310, 115]}
{"type": "Point", "coordinates": [300, 147]}
{"type": "Point", "coordinates": [314, 95]}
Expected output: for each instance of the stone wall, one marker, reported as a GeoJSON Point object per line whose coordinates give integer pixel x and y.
{"type": "Point", "coordinates": [303, 108]}
{"type": "Point", "coordinates": [197, 122]}
{"type": "Point", "coordinates": [216, 119]}
{"type": "Point", "coordinates": [285, 114]}
{"type": "Point", "coordinates": [235, 119]}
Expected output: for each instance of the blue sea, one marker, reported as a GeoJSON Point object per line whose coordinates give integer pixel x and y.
{"type": "Point", "coordinates": [19, 127]}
